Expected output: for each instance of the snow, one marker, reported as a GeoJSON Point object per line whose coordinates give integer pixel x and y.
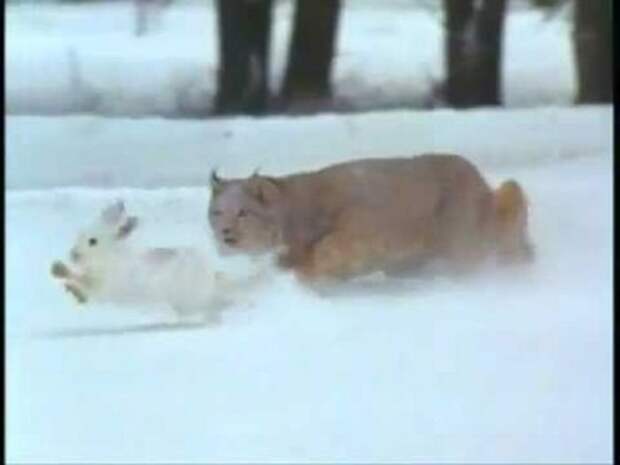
{"type": "Point", "coordinates": [84, 58]}
{"type": "Point", "coordinates": [511, 365]}
{"type": "Point", "coordinates": [503, 366]}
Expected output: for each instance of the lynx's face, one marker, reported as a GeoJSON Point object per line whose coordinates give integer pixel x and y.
{"type": "Point", "coordinates": [243, 215]}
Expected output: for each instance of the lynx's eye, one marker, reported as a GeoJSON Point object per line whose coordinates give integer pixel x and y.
{"type": "Point", "coordinates": [92, 241]}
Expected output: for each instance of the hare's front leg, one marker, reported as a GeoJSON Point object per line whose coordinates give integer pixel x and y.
{"type": "Point", "coordinates": [71, 281]}
{"type": "Point", "coordinates": [61, 271]}
{"type": "Point", "coordinates": [77, 292]}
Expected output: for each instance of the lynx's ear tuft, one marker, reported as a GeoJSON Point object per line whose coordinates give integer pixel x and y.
{"type": "Point", "coordinates": [216, 183]}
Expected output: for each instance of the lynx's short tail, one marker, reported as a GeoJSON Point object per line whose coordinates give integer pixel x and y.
{"type": "Point", "coordinates": [511, 223]}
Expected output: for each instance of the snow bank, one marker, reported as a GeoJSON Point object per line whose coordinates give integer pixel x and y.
{"type": "Point", "coordinates": [84, 58]}
{"type": "Point", "coordinates": [107, 153]}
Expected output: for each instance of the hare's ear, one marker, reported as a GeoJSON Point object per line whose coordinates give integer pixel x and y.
{"type": "Point", "coordinates": [113, 214]}
{"type": "Point", "coordinates": [125, 229]}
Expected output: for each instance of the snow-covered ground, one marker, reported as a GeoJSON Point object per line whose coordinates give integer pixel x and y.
{"type": "Point", "coordinates": [84, 57]}
{"type": "Point", "coordinates": [505, 366]}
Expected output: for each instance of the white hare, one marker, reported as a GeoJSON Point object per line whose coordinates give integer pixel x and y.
{"type": "Point", "coordinates": [106, 267]}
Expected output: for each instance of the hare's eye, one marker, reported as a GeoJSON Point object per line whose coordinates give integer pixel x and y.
{"type": "Point", "coordinates": [216, 212]}
{"type": "Point", "coordinates": [92, 241]}
{"type": "Point", "coordinates": [242, 213]}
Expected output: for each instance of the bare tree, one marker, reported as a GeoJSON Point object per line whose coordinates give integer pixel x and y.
{"type": "Point", "coordinates": [593, 50]}
{"type": "Point", "coordinates": [311, 53]}
{"type": "Point", "coordinates": [244, 33]}
{"type": "Point", "coordinates": [474, 51]}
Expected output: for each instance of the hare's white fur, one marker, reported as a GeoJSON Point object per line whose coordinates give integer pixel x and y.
{"type": "Point", "coordinates": [108, 268]}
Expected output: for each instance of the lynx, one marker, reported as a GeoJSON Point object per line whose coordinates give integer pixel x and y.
{"type": "Point", "coordinates": [357, 217]}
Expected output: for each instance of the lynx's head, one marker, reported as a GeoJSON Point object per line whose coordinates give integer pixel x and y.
{"type": "Point", "coordinates": [245, 214]}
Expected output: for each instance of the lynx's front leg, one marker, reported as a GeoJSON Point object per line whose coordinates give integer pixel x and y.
{"type": "Point", "coordinates": [334, 257]}
{"type": "Point", "coordinates": [360, 244]}
{"type": "Point", "coordinates": [355, 246]}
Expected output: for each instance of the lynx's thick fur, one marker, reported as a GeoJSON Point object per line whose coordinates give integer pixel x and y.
{"type": "Point", "coordinates": [373, 214]}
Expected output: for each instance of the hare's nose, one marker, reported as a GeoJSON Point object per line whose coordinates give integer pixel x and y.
{"type": "Point", "coordinates": [75, 255]}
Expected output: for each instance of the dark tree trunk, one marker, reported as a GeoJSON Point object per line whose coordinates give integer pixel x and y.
{"type": "Point", "coordinates": [458, 14]}
{"type": "Point", "coordinates": [308, 73]}
{"type": "Point", "coordinates": [474, 51]}
{"type": "Point", "coordinates": [244, 32]}
{"type": "Point", "coordinates": [141, 17]}
{"type": "Point", "coordinates": [491, 33]}
{"type": "Point", "coordinates": [593, 50]}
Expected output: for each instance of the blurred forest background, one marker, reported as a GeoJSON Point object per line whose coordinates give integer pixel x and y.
{"type": "Point", "coordinates": [473, 52]}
